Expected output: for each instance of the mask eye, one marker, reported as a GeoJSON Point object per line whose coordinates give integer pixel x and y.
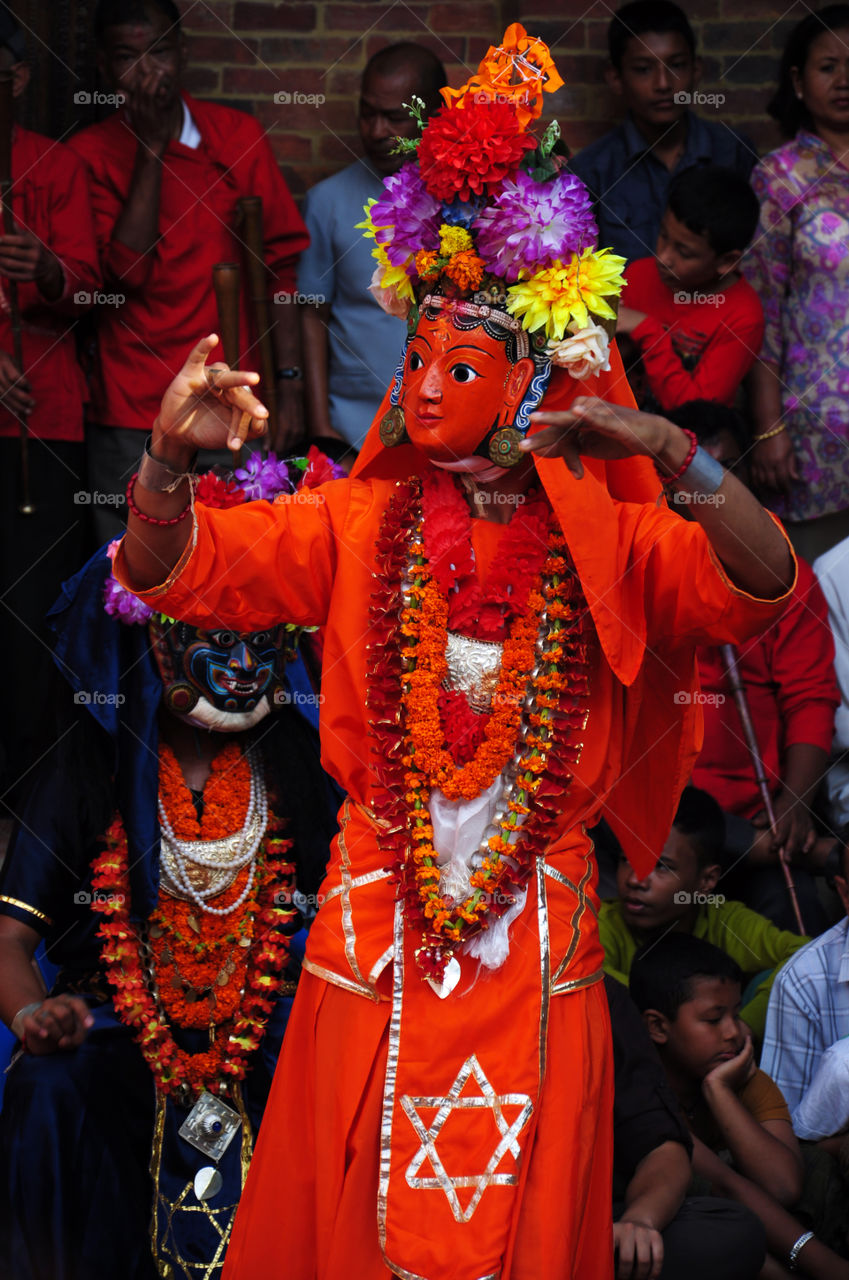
{"type": "Point", "coordinates": [464, 373]}
{"type": "Point", "coordinates": [222, 639]}
{"type": "Point", "coordinates": [260, 638]}
{"type": "Point", "coordinates": [416, 362]}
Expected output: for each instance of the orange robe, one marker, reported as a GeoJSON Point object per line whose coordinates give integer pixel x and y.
{"type": "Point", "coordinates": [367, 1191]}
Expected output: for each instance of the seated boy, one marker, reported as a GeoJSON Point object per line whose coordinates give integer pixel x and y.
{"type": "Point", "coordinates": [658, 1229]}
{"type": "Point", "coordinates": [689, 994]}
{"type": "Point", "coordinates": [698, 323]}
{"type": "Point", "coordinates": [679, 896]}
{"type": "Point", "coordinates": [654, 70]}
{"type": "Point", "coordinates": [789, 678]}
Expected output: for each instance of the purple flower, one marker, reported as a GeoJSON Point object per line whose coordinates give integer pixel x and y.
{"type": "Point", "coordinates": [532, 224]}
{"type": "Point", "coordinates": [406, 217]}
{"type": "Point", "coordinates": [122, 604]}
{"type": "Point", "coordinates": [263, 478]}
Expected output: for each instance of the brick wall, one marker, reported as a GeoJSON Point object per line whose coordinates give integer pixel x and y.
{"type": "Point", "coordinates": [247, 51]}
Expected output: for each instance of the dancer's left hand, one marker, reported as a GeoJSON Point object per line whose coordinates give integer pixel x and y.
{"type": "Point", "coordinates": [596, 429]}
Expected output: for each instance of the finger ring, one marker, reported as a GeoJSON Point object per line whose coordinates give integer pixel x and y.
{"type": "Point", "coordinates": [211, 376]}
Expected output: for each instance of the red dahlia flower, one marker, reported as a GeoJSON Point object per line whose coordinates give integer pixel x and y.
{"type": "Point", "coordinates": [467, 151]}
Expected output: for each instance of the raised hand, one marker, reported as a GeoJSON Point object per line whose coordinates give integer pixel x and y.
{"type": "Point", "coordinates": [208, 407]}
{"type": "Point", "coordinates": [596, 429]}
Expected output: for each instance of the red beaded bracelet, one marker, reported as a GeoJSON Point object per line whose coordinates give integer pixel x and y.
{"type": "Point", "coordinates": [691, 453]}
{"type": "Point", "coordinates": [140, 515]}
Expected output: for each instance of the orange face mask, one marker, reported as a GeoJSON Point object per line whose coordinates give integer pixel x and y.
{"type": "Point", "coordinates": [457, 386]}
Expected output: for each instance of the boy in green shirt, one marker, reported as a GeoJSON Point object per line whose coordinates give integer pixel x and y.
{"type": "Point", "coordinates": [679, 895]}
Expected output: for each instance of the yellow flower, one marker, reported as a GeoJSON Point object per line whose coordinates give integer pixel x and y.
{"type": "Point", "coordinates": [367, 226]}
{"type": "Point", "coordinates": [393, 277]}
{"type": "Point", "coordinates": [553, 298]}
{"type": "Point", "coordinates": [453, 240]}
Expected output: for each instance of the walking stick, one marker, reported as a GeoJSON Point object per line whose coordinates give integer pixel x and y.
{"type": "Point", "coordinates": [729, 660]}
{"type": "Point", "coordinates": [226, 279]}
{"type": "Point", "coordinates": [225, 282]}
{"type": "Point", "coordinates": [250, 209]}
{"type": "Point", "coordinates": [25, 505]}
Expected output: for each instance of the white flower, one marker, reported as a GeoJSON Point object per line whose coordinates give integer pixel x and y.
{"type": "Point", "coordinates": [388, 299]}
{"type": "Point", "coordinates": [584, 352]}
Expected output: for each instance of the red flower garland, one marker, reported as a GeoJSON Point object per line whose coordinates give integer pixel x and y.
{"type": "Point", "coordinates": [469, 150]}
{"type": "Point", "coordinates": [560, 695]}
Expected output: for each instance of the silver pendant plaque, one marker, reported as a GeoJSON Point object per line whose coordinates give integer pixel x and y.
{"type": "Point", "coordinates": [210, 1126]}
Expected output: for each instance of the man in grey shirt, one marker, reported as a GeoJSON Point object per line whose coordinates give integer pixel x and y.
{"type": "Point", "coordinates": [351, 347]}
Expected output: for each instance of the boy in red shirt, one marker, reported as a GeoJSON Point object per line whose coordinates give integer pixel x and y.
{"type": "Point", "coordinates": [697, 323]}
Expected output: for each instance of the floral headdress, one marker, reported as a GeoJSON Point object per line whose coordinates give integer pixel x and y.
{"type": "Point", "coordinates": [484, 220]}
{"type": "Point", "coordinates": [261, 478]}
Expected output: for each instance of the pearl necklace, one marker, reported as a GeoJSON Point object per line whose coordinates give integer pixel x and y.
{"type": "Point", "coordinates": [228, 855]}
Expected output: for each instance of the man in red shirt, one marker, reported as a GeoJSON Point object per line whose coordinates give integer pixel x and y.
{"type": "Point", "coordinates": [52, 258]}
{"type": "Point", "coordinates": [788, 674]}
{"type": "Point", "coordinates": [166, 173]}
{"type": "Point", "coordinates": [697, 323]}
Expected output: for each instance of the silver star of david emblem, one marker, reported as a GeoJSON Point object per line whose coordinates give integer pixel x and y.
{"type": "Point", "coordinates": [453, 1101]}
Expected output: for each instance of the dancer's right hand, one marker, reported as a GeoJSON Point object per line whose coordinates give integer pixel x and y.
{"type": "Point", "coordinates": [207, 407]}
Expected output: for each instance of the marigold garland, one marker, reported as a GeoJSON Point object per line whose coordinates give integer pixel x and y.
{"type": "Point", "coordinates": [555, 710]}
{"type": "Point", "coordinates": [234, 963]}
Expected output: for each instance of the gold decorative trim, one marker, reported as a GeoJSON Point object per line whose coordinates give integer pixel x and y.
{"type": "Point", "coordinates": [545, 968]}
{"type": "Point", "coordinates": [369, 877]}
{"type": "Point", "coordinates": [153, 593]}
{"type": "Point", "coordinates": [413, 1275]}
{"type": "Point", "coordinates": [455, 1100]}
{"type": "Point", "coordinates": [381, 962]}
{"type": "Point", "coordinates": [576, 984]}
{"type": "Point", "coordinates": [339, 980]}
{"type": "Point", "coordinates": [568, 884]}
{"type": "Point", "coordinates": [347, 908]}
{"type": "Point", "coordinates": [201, 1270]}
{"type": "Point", "coordinates": [578, 913]}
{"type": "Point", "coordinates": [24, 906]}
{"type": "Point", "coordinates": [392, 1056]}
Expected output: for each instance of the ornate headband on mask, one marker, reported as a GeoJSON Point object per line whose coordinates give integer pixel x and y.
{"type": "Point", "coordinates": [485, 221]}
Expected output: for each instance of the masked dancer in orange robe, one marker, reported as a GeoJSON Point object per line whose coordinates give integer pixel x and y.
{"type": "Point", "coordinates": [510, 615]}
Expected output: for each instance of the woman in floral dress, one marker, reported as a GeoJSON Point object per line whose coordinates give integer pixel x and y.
{"type": "Point", "coordinates": [799, 263]}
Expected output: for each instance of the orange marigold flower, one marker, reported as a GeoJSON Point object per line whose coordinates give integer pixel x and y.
{"type": "Point", "coordinates": [465, 269]}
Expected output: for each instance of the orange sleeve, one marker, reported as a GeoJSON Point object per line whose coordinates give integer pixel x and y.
{"type": "Point", "coordinates": [253, 566]}
{"type": "Point", "coordinates": [688, 594]}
